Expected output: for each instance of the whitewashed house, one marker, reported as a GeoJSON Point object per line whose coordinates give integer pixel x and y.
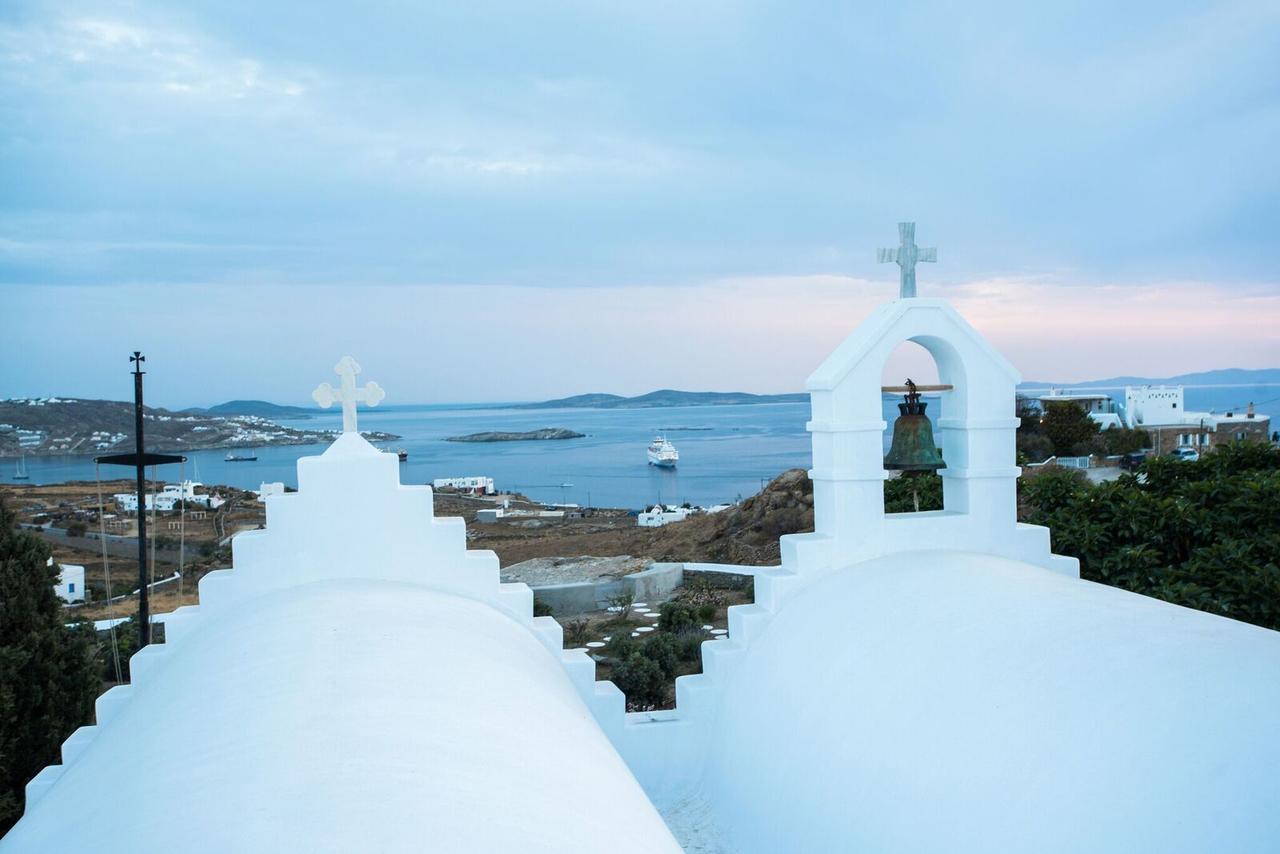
{"type": "Point", "coordinates": [70, 586]}
{"type": "Point", "coordinates": [476, 485]}
{"type": "Point", "coordinates": [662, 514]}
{"type": "Point", "coordinates": [170, 498]}
{"type": "Point", "coordinates": [1162, 412]}
{"type": "Point", "coordinates": [266, 490]}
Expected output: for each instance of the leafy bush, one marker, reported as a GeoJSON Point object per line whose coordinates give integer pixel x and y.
{"type": "Point", "coordinates": [689, 644]}
{"type": "Point", "coordinates": [700, 591]}
{"type": "Point", "coordinates": [622, 602]}
{"type": "Point", "coordinates": [641, 679]}
{"type": "Point", "coordinates": [1034, 445]}
{"type": "Point", "coordinates": [1122, 440]}
{"type": "Point", "coordinates": [898, 493]}
{"type": "Point", "coordinates": [706, 612]}
{"type": "Point", "coordinates": [1202, 534]}
{"type": "Point", "coordinates": [577, 631]}
{"type": "Point", "coordinates": [76, 528]}
{"type": "Point", "coordinates": [661, 649]}
{"type": "Point", "coordinates": [675, 616]}
{"type": "Point", "coordinates": [540, 608]}
{"type": "Point", "coordinates": [620, 646]}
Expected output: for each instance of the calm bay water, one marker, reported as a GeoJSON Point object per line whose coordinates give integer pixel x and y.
{"type": "Point", "coordinates": [743, 446]}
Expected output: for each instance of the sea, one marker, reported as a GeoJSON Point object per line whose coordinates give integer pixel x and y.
{"type": "Point", "coordinates": [726, 452]}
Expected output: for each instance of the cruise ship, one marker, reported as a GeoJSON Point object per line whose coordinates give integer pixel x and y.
{"type": "Point", "coordinates": [663, 454]}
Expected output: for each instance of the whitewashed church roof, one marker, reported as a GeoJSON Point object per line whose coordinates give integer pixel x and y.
{"type": "Point", "coordinates": [929, 682]}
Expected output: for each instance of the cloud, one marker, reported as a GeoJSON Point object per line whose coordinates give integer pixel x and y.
{"type": "Point", "coordinates": [131, 61]}
{"type": "Point", "coordinates": [439, 343]}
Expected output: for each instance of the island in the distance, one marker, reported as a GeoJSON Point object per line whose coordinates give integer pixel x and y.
{"type": "Point", "coordinates": [530, 435]}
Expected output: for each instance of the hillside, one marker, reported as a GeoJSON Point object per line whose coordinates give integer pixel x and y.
{"type": "Point", "coordinates": [664, 397]}
{"type": "Point", "coordinates": [747, 533]}
{"type": "Point", "coordinates": [47, 426]}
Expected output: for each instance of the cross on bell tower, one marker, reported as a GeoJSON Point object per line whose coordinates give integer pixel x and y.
{"type": "Point", "coordinates": [347, 393]}
{"type": "Point", "coordinates": [907, 255]}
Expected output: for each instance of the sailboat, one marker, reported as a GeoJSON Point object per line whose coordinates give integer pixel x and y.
{"type": "Point", "coordinates": [20, 472]}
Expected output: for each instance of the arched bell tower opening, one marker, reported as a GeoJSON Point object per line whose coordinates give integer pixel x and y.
{"type": "Point", "coordinates": [912, 402]}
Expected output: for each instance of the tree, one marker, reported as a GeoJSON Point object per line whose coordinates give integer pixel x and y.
{"type": "Point", "coordinates": [1069, 428]}
{"type": "Point", "coordinates": [49, 674]}
{"type": "Point", "coordinates": [1124, 440]}
{"type": "Point", "coordinates": [1205, 535]}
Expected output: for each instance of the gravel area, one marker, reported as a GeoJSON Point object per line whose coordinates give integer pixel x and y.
{"type": "Point", "coordinates": [566, 570]}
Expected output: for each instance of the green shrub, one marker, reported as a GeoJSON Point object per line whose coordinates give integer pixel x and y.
{"type": "Point", "coordinates": [689, 645]}
{"type": "Point", "coordinates": [641, 679]}
{"type": "Point", "coordinates": [620, 646]}
{"type": "Point", "coordinates": [676, 616]}
{"type": "Point", "coordinates": [1202, 534]}
{"type": "Point", "coordinates": [578, 630]}
{"type": "Point", "coordinates": [898, 493]}
{"type": "Point", "coordinates": [540, 608]}
{"type": "Point", "coordinates": [706, 613]}
{"type": "Point", "coordinates": [623, 603]}
{"type": "Point", "coordinates": [661, 649]}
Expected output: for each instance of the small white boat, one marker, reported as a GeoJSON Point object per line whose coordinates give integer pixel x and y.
{"type": "Point", "coordinates": [663, 454]}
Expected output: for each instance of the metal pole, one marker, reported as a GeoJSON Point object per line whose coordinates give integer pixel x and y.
{"type": "Point", "coordinates": [144, 615]}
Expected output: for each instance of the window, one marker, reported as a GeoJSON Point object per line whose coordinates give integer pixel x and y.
{"type": "Point", "coordinates": [1240, 437]}
{"type": "Point", "coordinates": [1175, 406]}
{"type": "Point", "coordinates": [71, 587]}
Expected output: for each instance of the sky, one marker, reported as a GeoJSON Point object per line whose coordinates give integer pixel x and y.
{"type": "Point", "coordinates": [490, 201]}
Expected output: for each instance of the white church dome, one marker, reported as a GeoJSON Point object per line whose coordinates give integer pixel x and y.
{"type": "Point", "coordinates": [953, 702]}
{"type": "Point", "coordinates": [348, 716]}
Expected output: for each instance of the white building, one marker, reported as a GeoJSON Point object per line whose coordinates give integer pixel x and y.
{"type": "Point", "coordinates": [1162, 412]}
{"type": "Point", "coordinates": [478, 485]}
{"type": "Point", "coordinates": [70, 586]}
{"type": "Point", "coordinates": [266, 490]}
{"type": "Point", "coordinates": [360, 678]}
{"type": "Point", "coordinates": [170, 498]}
{"type": "Point", "coordinates": [1100, 407]}
{"type": "Point", "coordinates": [662, 514]}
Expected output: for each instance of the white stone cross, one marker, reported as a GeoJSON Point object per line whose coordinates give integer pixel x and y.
{"type": "Point", "coordinates": [347, 393]}
{"type": "Point", "coordinates": [906, 256]}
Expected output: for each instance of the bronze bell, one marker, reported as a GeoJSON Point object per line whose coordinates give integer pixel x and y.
{"type": "Point", "coordinates": [913, 448]}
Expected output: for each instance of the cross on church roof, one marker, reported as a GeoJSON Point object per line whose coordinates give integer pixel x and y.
{"type": "Point", "coordinates": [347, 393]}
{"type": "Point", "coordinates": [907, 255]}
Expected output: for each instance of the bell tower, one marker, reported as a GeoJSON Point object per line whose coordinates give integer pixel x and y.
{"type": "Point", "coordinates": [976, 435]}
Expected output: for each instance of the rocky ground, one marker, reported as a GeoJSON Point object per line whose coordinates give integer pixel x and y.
{"type": "Point", "coordinates": [556, 551]}
{"type": "Point", "coordinates": [747, 533]}
{"type": "Point", "coordinates": [563, 570]}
